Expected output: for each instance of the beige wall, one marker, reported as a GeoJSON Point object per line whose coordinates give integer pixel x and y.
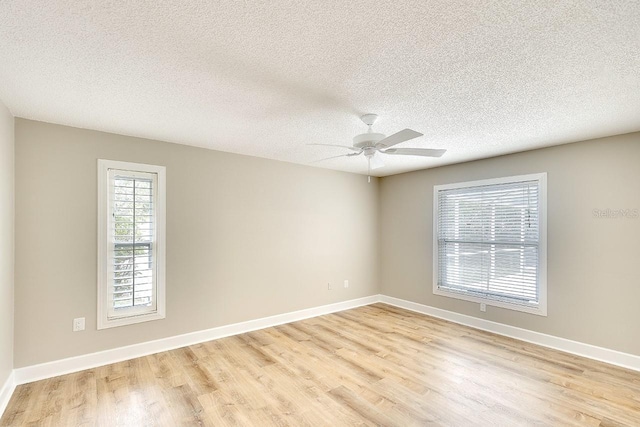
{"type": "Point", "coordinates": [249, 238]}
{"type": "Point", "coordinates": [6, 243]}
{"type": "Point", "coordinates": [593, 274]}
{"type": "Point", "coordinates": [246, 238]}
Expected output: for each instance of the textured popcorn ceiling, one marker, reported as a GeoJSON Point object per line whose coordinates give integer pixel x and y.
{"type": "Point", "coordinates": [479, 78]}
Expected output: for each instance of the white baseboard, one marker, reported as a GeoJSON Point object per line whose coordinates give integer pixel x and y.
{"type": "Point", "coordinates": [92, 360]}
{"type": "Point", "coordinates": [88, 361]}
{"type": "Point", "coordinates": [606, 355]}
{"type": "Point", "coordinates": [6, 392]}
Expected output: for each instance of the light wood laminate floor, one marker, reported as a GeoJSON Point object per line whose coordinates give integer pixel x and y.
{"type": "Point", "coordinates": [373, 365]}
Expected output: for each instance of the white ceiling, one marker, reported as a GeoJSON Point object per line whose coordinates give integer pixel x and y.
{"type": "Point", "coordinates": [265, 78]}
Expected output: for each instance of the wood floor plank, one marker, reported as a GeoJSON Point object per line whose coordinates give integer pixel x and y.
{"type": "Point", "coordinates": [373, 365]}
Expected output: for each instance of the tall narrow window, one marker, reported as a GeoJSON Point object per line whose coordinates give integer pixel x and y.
{"type": "Point", "coordinates": [131, 243]}
{"type": "Point", "coordinates": [490, 242]}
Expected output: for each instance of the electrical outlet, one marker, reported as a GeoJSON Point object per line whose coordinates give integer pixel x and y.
{"type": "Point", "coordinates": [328, 286]}
{"type": "Point", "coordinates": [346, 283]}
{"type": "Point", "coordinates": [78, 324]}
{"type": "Point", "coordinates": [483, 306]}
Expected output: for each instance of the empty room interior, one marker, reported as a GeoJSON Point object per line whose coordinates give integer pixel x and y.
{"type": "Point", "coordinates": [320, 213]}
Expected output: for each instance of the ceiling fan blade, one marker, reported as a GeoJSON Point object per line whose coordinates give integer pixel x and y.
{"type": "Point", "coordinates": [425, 152]}
{"type": "Point", "coordinates": [341, 146]}
{"type": "Point", "coordinates": [376, 161]}
{"type": "Point", "coordinates": [335, 157]}
{"type": "Point", "coordinates": [397, 138]}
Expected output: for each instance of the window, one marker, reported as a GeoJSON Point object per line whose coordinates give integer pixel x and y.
{"type": "Point", "coordinates": [131, 249]}
{"type": "Point", "coordinates": [490, 242]}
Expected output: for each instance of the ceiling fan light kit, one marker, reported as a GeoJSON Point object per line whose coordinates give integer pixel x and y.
{"type": "Point", "coordinates": [370, 143]}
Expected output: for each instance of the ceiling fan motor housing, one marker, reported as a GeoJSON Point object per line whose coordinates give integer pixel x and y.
{"type": "Point", "coordinates": [368, 139]}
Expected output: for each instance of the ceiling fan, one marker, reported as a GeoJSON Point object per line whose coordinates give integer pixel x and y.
{"type": "Point", "coordinates": [371, 143]}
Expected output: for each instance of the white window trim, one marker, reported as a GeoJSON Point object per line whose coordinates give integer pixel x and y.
{"type": "Point", "coordinates": [541, 309]}
{"type": "Point", "coordinates": [103, 320]}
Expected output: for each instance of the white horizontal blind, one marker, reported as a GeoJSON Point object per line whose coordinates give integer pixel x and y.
{"type": "Point", "coordinates": [132, 267]}
{"type": "Point", "coordinates": [488, 241]}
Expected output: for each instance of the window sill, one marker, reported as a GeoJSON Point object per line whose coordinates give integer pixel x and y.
{"type": "Point", "coordinates": [107, 323]}
{"type": "Point", "coordinates": [540, 310]}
